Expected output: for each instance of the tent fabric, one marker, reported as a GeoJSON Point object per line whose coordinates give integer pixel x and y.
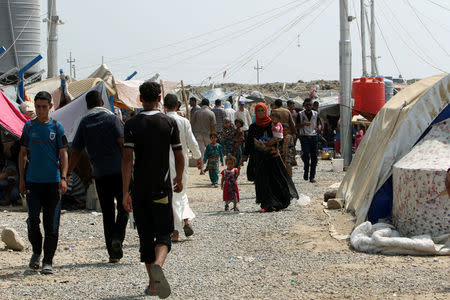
{"type": "Point", "coordinates": [105, 74]}
{"type": "Point", "coordinates": [421, 203]}
{"type": "Point", "coordinates": [77, 88]}
{"type": "Point", "coordinates": [10, 117]}
{"type": "Point", "coordinates": [382, 238]}
{"type": "Point", "coordinates": [128, 93]}
{"type": "Point", "coordinates": [71, 114]}
{"type": "Point", "coordinates": [393, 132]}
{"type": "Point", "coordinates": [49, 85]}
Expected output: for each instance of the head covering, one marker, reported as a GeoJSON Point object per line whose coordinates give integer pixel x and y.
{"type": "Point", "coordinates": [266, 119]}
{"type": "Point", "coordinates": [227, 104]}
{"type": "Point", "coordinates": [242, 102]}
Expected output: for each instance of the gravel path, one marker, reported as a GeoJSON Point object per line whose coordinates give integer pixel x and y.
{"type": "Point", "coordinates": [282, 255]}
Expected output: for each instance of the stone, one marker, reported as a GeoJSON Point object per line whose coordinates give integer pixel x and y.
{"type": "Point", "coordinates": [329, 195]}
{"type": "Point", "coordinates": [335, 203]}
{"type": "Point", "coordinates": [12, 240]}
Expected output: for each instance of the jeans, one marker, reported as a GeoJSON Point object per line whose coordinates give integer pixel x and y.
{"type": "Point", "coordinates": [43, 196]}
{"type": "Point", "coordinates": [108, 188]}
{"type": "Point", "coordinates": [309, 156]}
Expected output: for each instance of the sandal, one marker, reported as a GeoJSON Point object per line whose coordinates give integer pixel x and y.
{"type": "Point", "coordinates": [34, 262]}
{"type": "Point", "coordinates": [148, 291]}
{"type": "Point", "coordinates": [161, 285]}
{"type": "Point", "coordinates": [188, 231]}
{"type": "Point", "coordinates": [227, 208]}
{"type": "Point", "coordinates": [235, 208]}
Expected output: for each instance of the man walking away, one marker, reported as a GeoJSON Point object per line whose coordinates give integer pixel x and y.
{"type": "Point", "coordinates": [203, 124]}
{"type": "Point", "coordinates": [193, 105]}
{"type": "Point", "coordinates": [150, 135]}
{"type": "Point", "coordinates": [44, 144]}
{"type": "Point", "coordinates": [309, 125]}
{"type": "Point", "coordinates": [220, 114]}
{"type": "Point", "coordinates": [181, 210]}
{"type": "Point", "coordinates": [101, 132]}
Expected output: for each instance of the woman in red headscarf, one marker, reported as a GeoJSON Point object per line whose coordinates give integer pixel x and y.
{"type": "Point", "coordinates": [273, 185]}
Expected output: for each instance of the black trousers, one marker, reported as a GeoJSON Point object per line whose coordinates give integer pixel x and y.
{"type": "Point", "coordinates": [108, 188]}
{"type": "Point", "coordinates": [43, 196]}
{"type": "Point", "coordinates": [309, 156]}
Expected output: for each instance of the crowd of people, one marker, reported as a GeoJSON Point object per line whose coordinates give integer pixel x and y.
{"type": "Point", "coordinates": [143, 165]}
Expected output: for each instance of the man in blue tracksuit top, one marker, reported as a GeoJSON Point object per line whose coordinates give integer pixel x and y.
{"type": "Point", "coordinates": [44, 144]}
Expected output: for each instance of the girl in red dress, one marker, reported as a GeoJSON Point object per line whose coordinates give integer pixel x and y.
{"type": "Point", "coordinates": [229, 183]}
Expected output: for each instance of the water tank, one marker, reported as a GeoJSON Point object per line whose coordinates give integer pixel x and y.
{"type": "Point", "coordinates": [368, 93]}
{"type": "Point", "coordinates": [388, 89]}
{"type": "Point", "coordinates": [20, 22]}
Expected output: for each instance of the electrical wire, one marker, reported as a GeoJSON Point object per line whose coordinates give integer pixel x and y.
{"type": "Point", "coordinates": [211, 48]}
{"type": "Point", "coordinates": [247, 59]}
{"type": "Point", "coordinates": [309, 24]}
{"type": "Point", "coordinates": [227, 37]}
{"type": "Point", "coordinates": [440, 5]}
{"type": "Point", "coordinates": [426, 28]}
{"type": "Point", "coordinates": [410, 48]}
{"type": "Point", "coordinates": [387, 46]}
{"type": "Point", "coordinates": [393, 17]}
{"type": "Point", "coordinates": [194, 37]}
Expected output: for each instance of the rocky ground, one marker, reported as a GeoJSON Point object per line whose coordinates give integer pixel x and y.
{"type": "Point", "coordinates": [246, 255]}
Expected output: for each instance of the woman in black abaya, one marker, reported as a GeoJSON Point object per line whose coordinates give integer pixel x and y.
{"type": "Point", "coordinates": [274, 187]}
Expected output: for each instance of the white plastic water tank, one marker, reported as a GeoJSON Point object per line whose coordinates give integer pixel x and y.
{"type": "Point", "coordinates": [20, 22]}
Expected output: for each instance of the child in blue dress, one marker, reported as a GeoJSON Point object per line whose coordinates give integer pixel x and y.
{"type": "Point", "coordinates": [213, 153]}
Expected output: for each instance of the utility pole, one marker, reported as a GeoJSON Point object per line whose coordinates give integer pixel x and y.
{"type": "Point", "coordinates": [70, 61]}
{"type": "Point", "coordinates": [74, 71]}
{"type": "Point", "coordinates": [373, 56]}
{"type": "Point", "coordinates": [363, 40]}
{"type": "Point", "coordinates": [257, 68]}
{"type": "Point", "coordinates": [345, 78]}
{"type": "Point", "coordinates": [52, 28]}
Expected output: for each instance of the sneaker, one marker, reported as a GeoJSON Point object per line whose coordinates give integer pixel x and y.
{"type": "Point", "coordinates": [47, 269]}
{"type": "Point", "coordinates": [188, 231]}
{"type": "Point", "coordinates": [116, 249]}
{"type": "Point", "coordinates": [34, 262]}
{"type": "Point", "coordinates": [312, 180]}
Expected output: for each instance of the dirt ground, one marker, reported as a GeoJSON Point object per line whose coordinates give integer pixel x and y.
{"type": "Point", "coordinates": [246, 255]}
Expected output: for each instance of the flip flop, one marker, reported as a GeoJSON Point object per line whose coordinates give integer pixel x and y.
{"type": "Point", "coordinates": [161, 284]}
{"type": "Point", "coordinates": [188, 231]}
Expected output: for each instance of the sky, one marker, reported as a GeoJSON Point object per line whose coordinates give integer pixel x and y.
{"type": "Point", "coordinates": [197, 41]}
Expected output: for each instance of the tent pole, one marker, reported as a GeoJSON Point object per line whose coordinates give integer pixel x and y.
{"type": "Point", "coordinates": [163, 94]}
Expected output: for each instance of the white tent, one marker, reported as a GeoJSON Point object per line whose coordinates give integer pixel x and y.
{"type": "Point", "coordinates": [421, 203]}
{"type": "Point", "coordinates": [392, 134]}
{"type": "Point", "coordinates": [71, 114]}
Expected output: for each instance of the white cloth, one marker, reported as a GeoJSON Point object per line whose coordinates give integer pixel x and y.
{"type": "Point", "coordinates": [180, 202]}
{"type": "Point", "coordinates": [245, 117]}
{"type": "Point", "coordinates": [96, 110]}
{"type": "Point", "coordinates": [229, 112]}
{"type": "Point", "coordinates": [381, 238]}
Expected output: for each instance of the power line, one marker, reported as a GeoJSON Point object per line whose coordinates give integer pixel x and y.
{"type": "Point", "coordinates": [230, 36]}
{"type": "Point", "coordinates": [312, 21]}
{"type": "Point", "coordinates": [428, 30]}
{"type": "Point", "coordinates": [274, 38]}
{"type": "Point", "coordinates": [246, 59]}
{"type": "Point", "coordinates": [440, 5]}
{"type": "Point", "coordinates": [387, 46]}
{"type": "Point", "coordinates": [411, 49]}
{"type": "Point", "coordinates": [196, 36]}
{"type": "Point", "coordinates": [15, 40]}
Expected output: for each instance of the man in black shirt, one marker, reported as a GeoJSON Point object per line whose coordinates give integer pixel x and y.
{"type": "Point", "coordinates": [101, 132]}
{"type": "Point", "coordinates": [150, 135]}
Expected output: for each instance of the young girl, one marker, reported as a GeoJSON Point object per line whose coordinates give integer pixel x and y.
{"type": "Point", "coordinates": [277, 128]}
{"type": "Point", "coordinates": [229, 183]}
{"type": "Point", "coordinates": [226, 136]}
{"type": "Point", "coordinates": [213, 153]}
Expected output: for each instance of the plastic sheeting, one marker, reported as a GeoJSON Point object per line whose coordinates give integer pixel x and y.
{"type": "Point", "coordinates": [128, 93]}
{"type": "Point", "coordinates": [71, 114]}
{"type": "Point", "coordinates": [382, 238]}
{"type": "Point", "coordinates": [421, 203]}
{"type": "Point", "coordinates": [10, 117]}
{"type": "Point", "coordinates": [392, 134]}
